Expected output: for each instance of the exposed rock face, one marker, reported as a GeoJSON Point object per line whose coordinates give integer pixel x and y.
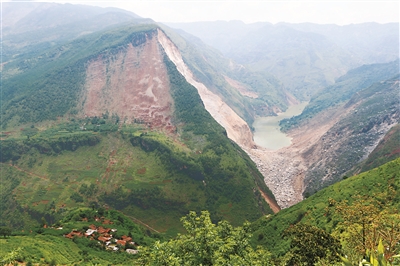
{"type": "Point", "coordinates": [236, 128]}
{"type": "Point", "coordinates": [132, 84]}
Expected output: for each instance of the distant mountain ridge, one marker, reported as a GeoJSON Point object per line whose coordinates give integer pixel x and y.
{"type": "Point", "coordinates": [371, 42]}
{"type": "Point", "coordinates": [23, 17]}
{"type": "Point", "coordinates": [37, 26]}
{"type": "Point", "coordinates": [305, 57]}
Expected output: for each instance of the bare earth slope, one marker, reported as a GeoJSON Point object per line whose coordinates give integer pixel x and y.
{"type": "Point", "coordinates": [134, 86]}
{"type": "Point", "coordinates": [237, 129]}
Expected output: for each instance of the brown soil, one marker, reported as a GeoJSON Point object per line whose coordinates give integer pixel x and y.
{"type": "Point", "coordinates": [132, 84]}
{"type": "Point", "coordinates": [272, 203]}
{"type": "Point", "coordinates": [141, 171]}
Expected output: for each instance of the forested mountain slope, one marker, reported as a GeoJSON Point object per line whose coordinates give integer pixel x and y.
{"type": "Point", "coordinates": [108, 119]}
{"type": "Point", "coordinates": [376, 190]}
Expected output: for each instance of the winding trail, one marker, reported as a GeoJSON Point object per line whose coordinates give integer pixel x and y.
{"type": "Point", "coordinates": [140, 222]}
{"type": "Point", "coordinates": [27, 172]}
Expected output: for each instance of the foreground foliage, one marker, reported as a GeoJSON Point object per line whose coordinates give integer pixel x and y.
{"type": "Point", "coordinates": [379, 201]}
{"type": "Point", "coordinates": [367, 230]}
{"type": "Point", "coordinates": [206, 244]}
{"type": "Point", "coordinates": [310, 244]}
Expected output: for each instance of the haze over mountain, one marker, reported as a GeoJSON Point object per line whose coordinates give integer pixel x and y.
{"type": "Point", "coordinates": [305, 57]}
{"type": "Point", "coordinates": [109, 118]}
{"type": "Point", "coordinates": [36, 26]}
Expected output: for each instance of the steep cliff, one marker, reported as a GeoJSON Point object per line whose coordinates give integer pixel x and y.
{"type": "Point", "coordinates": [237, 129]}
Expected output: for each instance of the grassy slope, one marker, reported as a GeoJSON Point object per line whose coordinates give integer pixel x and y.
{"type": "Point", "coordinates": [313, 210]}
{"type": "Point", "coordinates": [157, 185]}
{"type": "Point", "coordinates": [40, 245]}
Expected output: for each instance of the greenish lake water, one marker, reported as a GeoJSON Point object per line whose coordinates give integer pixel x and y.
{"type": "Point", "coordinates": [267, 131]}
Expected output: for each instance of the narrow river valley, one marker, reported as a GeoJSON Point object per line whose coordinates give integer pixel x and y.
{"type": "Point", "coordinates": [267, 133]}
{"type": "Point", "coordinates": [277, 156]}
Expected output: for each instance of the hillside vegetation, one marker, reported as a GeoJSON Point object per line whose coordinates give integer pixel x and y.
{"type": "Point", "coordinates": [75, 161]}
{"type": "Point", "coordinates": [377, 188]}
{"type": "Point", "coordinates": [52, 244]}
{"type": "Point", "coordinates": [142, 174]}
{"type": "Point", "coordinates": [335, 219]}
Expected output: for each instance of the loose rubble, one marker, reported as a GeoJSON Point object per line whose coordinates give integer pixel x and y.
{"type": "Point", "coordinates": [281, 174]}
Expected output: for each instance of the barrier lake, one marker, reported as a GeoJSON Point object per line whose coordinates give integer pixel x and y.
{"type": "Point", "coordinates": [267, 131]}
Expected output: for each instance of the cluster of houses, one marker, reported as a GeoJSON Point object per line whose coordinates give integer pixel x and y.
{"type": "Point", "coordinates": [105, 237]}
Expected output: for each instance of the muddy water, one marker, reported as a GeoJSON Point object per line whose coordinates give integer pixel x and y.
{"type": "Point", "coordinates": [267, 132]}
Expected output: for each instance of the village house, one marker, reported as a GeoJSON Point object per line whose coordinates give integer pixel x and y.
{"type": "Point", "coordinates": [104, 237]}
{"type": "Point", "coordinates": [74, 233]}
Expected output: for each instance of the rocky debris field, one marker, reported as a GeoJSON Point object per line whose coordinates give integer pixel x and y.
{"type": "Point", "coordinates": [284, 169]}
{"type": "Point", "coordinates": [280, 174]}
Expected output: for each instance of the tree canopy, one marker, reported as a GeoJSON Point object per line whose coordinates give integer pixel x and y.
{"type": "Point", "coordinates": [206, 243]}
